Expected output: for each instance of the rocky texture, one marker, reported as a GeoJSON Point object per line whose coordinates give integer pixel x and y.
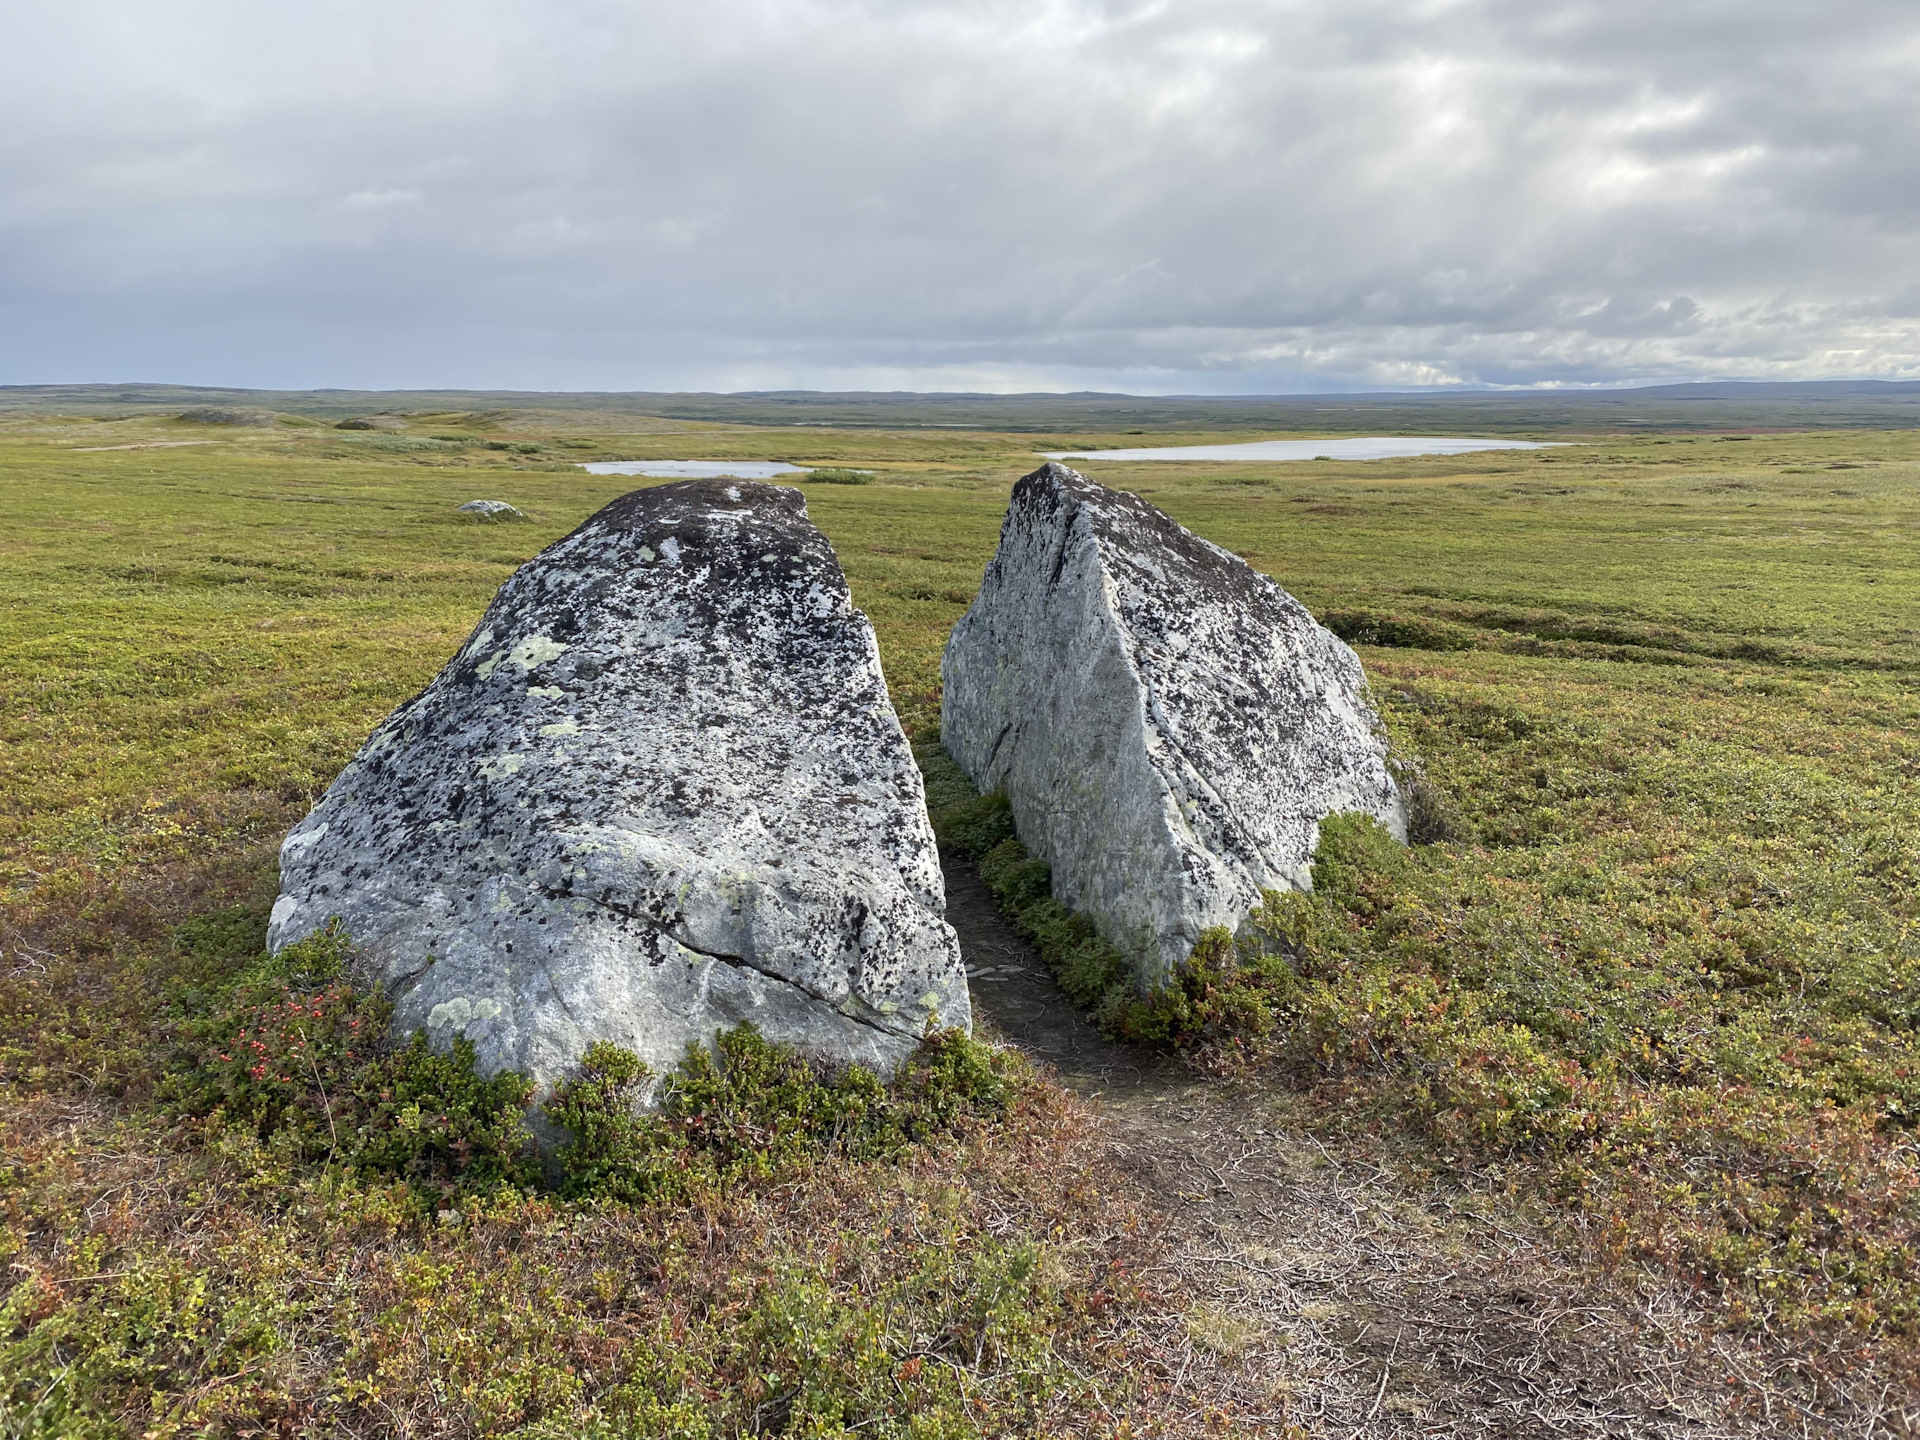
{"type": "Point", "coordinates": [491, 510]}
{"type": "Point", "coordinates": [1168, 725]}
{"type": "Point", "coordinates": [661, 790]}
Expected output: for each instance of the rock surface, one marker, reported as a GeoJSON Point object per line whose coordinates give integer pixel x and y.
{"type": "Point", "coordinates": [1168, 725]}
{"type": "Point", "coordinates": [661, 790]}
{"type": "Point", "coordinates": [491, 510]}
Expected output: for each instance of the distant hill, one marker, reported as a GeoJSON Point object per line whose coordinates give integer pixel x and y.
{"type": "Point", "coordinates": [1711, 406]}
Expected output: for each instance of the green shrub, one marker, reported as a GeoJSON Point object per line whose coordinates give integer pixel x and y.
{"type": "Point", "coordinates": [1091, 972]}
{"type": "Point", "coordinates": [293, 1052]}
{"type": "Point", "coordinates": [288, 1050]}
{"type": "Point", "coordinates": [613, 1148]}
{"type": "Point", "coordinates": [750, 1108]}
{"type": "Point", "coordinates": [838, 475]}
{"type": "Point", "coordinates": [1410, 632]}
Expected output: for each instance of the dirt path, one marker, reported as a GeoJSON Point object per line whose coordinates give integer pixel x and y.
{"type": "Point", "coordinates": [1338, 1294]}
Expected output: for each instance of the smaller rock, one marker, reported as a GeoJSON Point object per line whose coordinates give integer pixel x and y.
{"type": "Point", "coordinates": [492, 510]}
{"type": "Point", "coordinates": [1168, 725]}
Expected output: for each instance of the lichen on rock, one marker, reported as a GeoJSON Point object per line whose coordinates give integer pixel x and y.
{"type": "Point", "coordinates": [660, 791]}
{"type": "Point", "coordinates": [491, 510]}
{"type": "Point", "coordinates": [1169, 726]}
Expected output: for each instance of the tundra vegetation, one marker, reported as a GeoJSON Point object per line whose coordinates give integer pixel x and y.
{"type": "Point", "coordinates": [1650, 980]}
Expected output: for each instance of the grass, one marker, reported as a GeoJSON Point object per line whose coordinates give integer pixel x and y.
{"type": "Point", "coordinates": [1655, 973]}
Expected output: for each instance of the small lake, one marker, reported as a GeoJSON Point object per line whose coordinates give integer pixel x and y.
{"type": "Point", "coordinates": [1380, 447]}
{"type": "Point", "coordinates": [695, 469]}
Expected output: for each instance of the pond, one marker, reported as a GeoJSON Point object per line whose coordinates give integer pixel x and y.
{"type": "Point", "coordinates": [695, 469]}
{"type": "Point", "coordinates": [1378, 447]}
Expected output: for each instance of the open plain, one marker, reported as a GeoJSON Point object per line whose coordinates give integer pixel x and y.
{"type": "Point", "coordinates": [1590, 1114]}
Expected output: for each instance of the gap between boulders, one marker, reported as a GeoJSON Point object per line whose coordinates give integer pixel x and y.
{"type": "Point", "coordinates": [1331, 1286]}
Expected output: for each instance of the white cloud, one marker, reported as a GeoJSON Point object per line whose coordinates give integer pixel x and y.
{"type": "Point", "coordinates": [380, 199]}
{"type": "Point", "coordinates": [1215, 195]}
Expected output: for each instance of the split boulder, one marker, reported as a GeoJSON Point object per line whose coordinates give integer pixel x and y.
{"type": "Point", "coordinates": [1169, 726]}
{"type": "Point", "coordinates": [660, 791]}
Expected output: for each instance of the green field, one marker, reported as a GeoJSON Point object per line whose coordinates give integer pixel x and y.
{"type": "Point", "coordinates": [1655, 977]}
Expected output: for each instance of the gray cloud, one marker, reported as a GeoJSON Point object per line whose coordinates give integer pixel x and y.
{"type": "Point", "coordinates": [1213, 195]}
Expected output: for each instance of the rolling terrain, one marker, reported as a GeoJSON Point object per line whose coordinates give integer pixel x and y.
{"type": "Point", "coordinates": [1592, 1114]}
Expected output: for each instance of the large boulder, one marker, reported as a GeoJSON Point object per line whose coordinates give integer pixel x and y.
{"type": "Point", "coordinates": [660, 791]}
{"type": "Point", "coordinates": [1168, 725]}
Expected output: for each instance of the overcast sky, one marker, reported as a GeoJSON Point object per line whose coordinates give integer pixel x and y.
{"type": "Point", "coordinates": [1190, 197]}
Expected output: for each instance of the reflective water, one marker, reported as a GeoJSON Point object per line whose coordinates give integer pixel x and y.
{"type": "Point", "coordinates": [1378, 447]}
{"type": "Point", "coordinates": [694, 469]}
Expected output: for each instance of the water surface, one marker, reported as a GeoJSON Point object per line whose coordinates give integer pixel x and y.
{"type": "Point", "coordinates": [1377, 447]}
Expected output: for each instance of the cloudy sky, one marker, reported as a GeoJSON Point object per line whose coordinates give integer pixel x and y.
{"type": "Point", "coordinates": [1190, 197]}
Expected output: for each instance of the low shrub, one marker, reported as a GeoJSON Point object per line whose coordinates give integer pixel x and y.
{"type": "Point", "coordinates": [221, 415]}
{"type": "Point", "coordinates": [1639, 1061]}
{"type": "Point", "coordinates": [1409, 632]}
{"type": "Point", "coordinates": [289, 1051]}
{"type": "Point", "coordinates": [750, 1108]}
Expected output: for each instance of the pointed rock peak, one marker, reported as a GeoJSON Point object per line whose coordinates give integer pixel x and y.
{"type": "Point", "coordinates": [1168, 725]}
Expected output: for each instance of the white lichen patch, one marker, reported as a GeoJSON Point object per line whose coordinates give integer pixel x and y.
{"type": "Point", "coordinates": [534, 651]}
{"type": "Point", "coordinates": [460, 1012]}
{"type": "Point", "coordinates": [302, 838]}
{"type": "Point", "coordinates": [560, 728]}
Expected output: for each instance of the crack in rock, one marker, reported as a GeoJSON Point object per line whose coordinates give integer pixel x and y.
{"type": "Point", "coordinates": [677, 934]}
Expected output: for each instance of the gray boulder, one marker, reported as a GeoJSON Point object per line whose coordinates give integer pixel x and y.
{"type": "Point", "coordinates": [491, 510]}
{"type": "Point", "coordinates": [662, 790]}
{"type": "Point", "coordinates": [1168, 725]}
